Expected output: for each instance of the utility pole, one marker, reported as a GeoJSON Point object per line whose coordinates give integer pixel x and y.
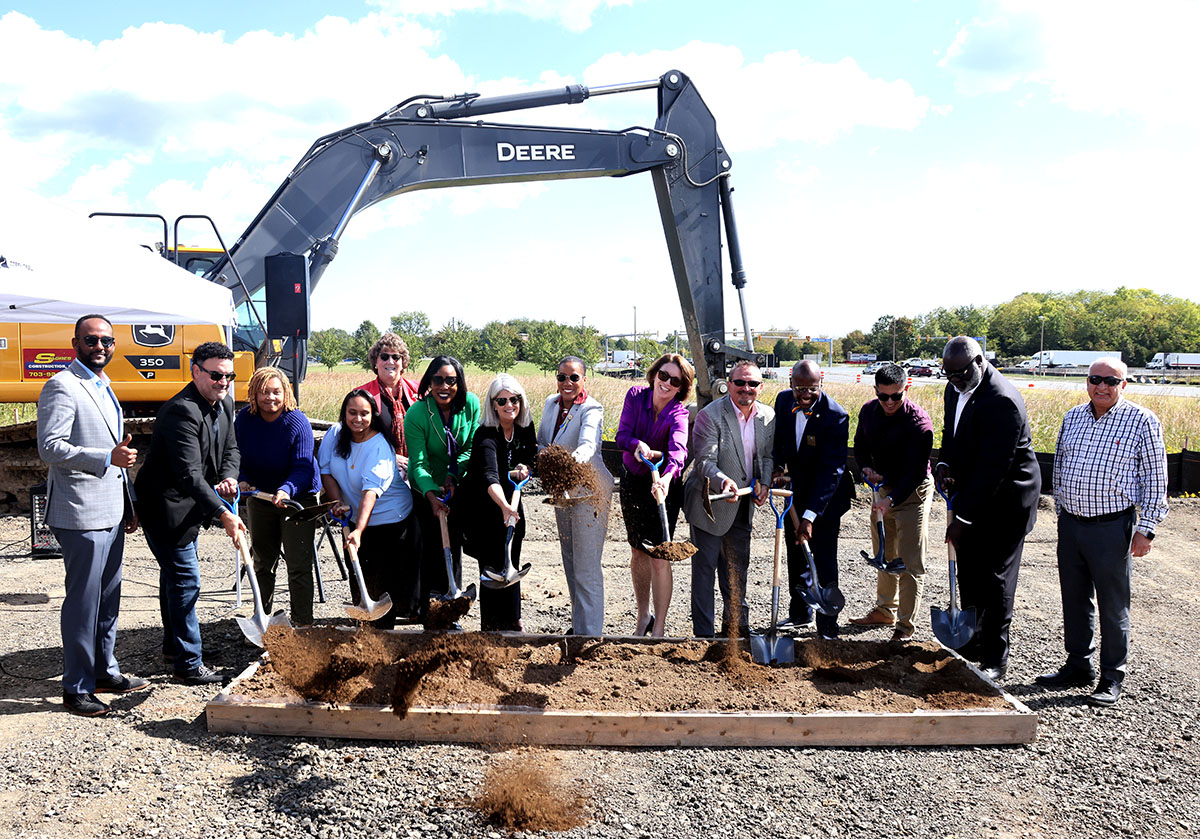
{"type": "Point", "coordinates": [893, 338]}
{"type": "Point", "coordinates": [1042, 350]}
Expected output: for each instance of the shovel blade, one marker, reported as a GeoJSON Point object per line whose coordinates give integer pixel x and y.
{"type": "Point", "coordinates": [253, 629]}
{"type": "Point", "coordinates": [772, 649]}
{"type": "Point", "coordinates": [954, 630]}
{"type": "Point", "coordinates": [370, 610]}
{"type": "Point", "coordinates": [827, 601]}
{"type": "Point", "coordinates": [494, 580]}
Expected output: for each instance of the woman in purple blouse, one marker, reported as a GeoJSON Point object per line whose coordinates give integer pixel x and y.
{"type": "Point", "coordinates": [654, 425]}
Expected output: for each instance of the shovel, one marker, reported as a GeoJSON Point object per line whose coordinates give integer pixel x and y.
{"type": "Point", "coordinates": [828, 600]}
{"type": "Point", "coordinates": [767, 649]}
{"type": "Point", "coordinates": [453, 592]}
{"type": "Point", "coordinates": [510, 575]}
{"type": "Point", "coordinates": [721, 496]}
{"type": "Point", "coordinates": [663, 550]}
{"type": "Point", "coordinates": [255, 626]}
{"type": "Point", "coordinates": [294, 511]}
{"type": "Point", "coordinates": [879, 560]}
{"type": "Point", "coordinates": [954, 627]}
{"type": "Point", "coordinates": [367, 609]}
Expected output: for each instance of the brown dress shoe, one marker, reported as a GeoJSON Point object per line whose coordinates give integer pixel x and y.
{"type": "Point", "coordinates": [875, 617]}
{"type": "Point", "coordinates": [902, 634]}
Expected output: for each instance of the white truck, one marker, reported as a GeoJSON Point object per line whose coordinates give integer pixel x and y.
{"type": "Point", "coordinates": [1174, 361]}
{"type": "Point", "coordinates": [1068, 358]}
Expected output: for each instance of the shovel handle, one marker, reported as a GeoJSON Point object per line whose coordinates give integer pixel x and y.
{"type": "Point", "coordinates": [721, 496]}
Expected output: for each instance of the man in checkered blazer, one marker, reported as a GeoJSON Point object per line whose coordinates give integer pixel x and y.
{"type": "Point", "coordinates": [1110, 491]}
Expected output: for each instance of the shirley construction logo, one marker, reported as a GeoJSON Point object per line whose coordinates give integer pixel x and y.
{"type": "Point", "coordinates": [42, 364]}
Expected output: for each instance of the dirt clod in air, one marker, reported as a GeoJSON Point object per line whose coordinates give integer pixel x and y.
{"type": "Point", "coordinates": [443, 614]}
{"type": "Point", "coordinates": [565, 479]}
{"type": "Point", "coordinates": [527, 791]}
{"type": "Point", "coordinates": [673, 551]}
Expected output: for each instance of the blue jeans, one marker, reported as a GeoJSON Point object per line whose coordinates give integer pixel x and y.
{"type": "Point", "coordinates": [178, 591]}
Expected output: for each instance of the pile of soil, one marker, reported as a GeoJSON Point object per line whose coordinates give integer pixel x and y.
{"type": "Point", "coordinates": [526, 791]}
{"type": "Point", "coordinates": [405, 670]}
{"type": "Point", "coordinates": [559, 473]}
{"type": "Point", "coordinates": [443, 614]}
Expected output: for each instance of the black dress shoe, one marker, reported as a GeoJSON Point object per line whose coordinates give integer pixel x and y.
{"type": "Point", "coordinates": [995, 673]}
{"type": "Point", "coordinates": [1067, 677]}
{"type": "Point", "coordinates": [202, 675]}
{"type": "Point", "coordinates": [121, 684]}
{"type": "Point", "coordinates": [1106, 694]}
{"type": "Point", "coordinates": [84, 704]}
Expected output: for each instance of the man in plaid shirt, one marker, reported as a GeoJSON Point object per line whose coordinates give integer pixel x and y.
{"type": "Point", "coordinates": [1110, 491]}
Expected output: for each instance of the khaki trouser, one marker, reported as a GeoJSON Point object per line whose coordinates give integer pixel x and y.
{"type": "Point", "coordinates": [906, 531]}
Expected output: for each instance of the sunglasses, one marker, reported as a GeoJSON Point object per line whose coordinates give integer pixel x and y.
{"type": "Point", "coordinates": [675, 381]}
{"type": "Point", "coordinates": [105, 341]}
{"type": "Point", "coordinates": [744, 383]}
{"type": "Point", "coordinates": [504, 400]}
{"type": "Point", "coordinates": [452, 381]}
{"type": "Point", "coordinates": [217, 375]}
{"type": "Point", "coordinates": [816, 389]}
{"type": "Point", "coordinates": [1111, 381]}
{"type": "Point", "coordinates": [390, 356]}
{"type": "Point", "coordinates": [562, 377]}
{"type": "Point", "coordinates": [894, 397]}
{"type": "Point", "coordinates": [958, 374]}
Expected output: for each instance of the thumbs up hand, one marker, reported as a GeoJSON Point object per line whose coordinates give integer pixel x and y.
{"type": "Point", "coordinates": [123, 455]}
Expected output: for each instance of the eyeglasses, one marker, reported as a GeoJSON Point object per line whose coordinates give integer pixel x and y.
{"type": "Point", "coordinates": [745, 383]}
{"type": "Point", "coordinates": [105, 341]}
{"type": "Point", "coordinates": [390, 356]}
{"type": "Point", "coordinates": [452, 381]}
{"type": "Point", "coordinates": [675, 381]}
{"type": "Point", "coordinates": [1111, 381]}
{"type": "Point", "coordinates": [798, 389]}
{"type": "Point", "coordinates": [217, 375]}
{"type": "Point", "coordinates": [895, 397]}
{"type": "Point", "coordinates": [504, 400]}
{"type": "Point", "coordinates": [562, 377]}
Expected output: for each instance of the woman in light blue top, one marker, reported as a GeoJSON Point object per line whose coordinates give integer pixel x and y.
{"type": "Point", "coordinates": [358, 469]}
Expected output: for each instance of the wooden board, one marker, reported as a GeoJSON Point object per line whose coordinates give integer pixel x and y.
{"type": "Point", "coordinates": [232, 713]}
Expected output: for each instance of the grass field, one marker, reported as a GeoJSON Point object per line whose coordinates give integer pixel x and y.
{"type": "Point", "coordinates": [321, 396]}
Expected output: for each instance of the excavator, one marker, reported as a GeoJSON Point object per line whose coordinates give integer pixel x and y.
{"type": "Point", "coordinates": [428, 142]}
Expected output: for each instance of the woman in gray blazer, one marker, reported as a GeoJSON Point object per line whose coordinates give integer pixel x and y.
{"type": "Point", "coordinates": [574, 420]}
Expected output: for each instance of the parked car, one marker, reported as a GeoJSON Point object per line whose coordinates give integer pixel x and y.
{"type": "Point", "coordinates": [873, 368]}
{"type": "Point", "coordinates": [921, 369]}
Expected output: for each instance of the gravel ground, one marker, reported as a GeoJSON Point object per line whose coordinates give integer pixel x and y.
{"type": "Point", "coordinates": [152, 769]}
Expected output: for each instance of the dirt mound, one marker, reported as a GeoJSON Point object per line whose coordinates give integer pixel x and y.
{"type": "Point", "coordinates": [559, 473]}
{"type": "Point", "coordinates": [527, 791]}
{"type": "Point", "coordinates": [339, 667]}
{"type": "Point", "coordinates": [474, 654]}
{"type": "Point", "coordinates": [443, 614]}
{"type": "Point", "coordinates": [673, 551]}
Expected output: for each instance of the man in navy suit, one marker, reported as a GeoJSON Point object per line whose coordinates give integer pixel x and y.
{"type": "Point", "coordinates": [812, 433]}
{"type": "Point", "coordinates": [987, 466]}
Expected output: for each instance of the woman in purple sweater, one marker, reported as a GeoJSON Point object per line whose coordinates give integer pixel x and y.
{"type": "Point", "coordinates": [276, 442]}
{"type": "Point", "coordinates": [654, 425]}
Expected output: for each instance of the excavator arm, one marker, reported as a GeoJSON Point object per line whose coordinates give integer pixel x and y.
{"type": "Point", "coordinates": [428, 143]}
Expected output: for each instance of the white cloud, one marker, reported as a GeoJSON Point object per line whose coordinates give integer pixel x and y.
{"type": "Point", "coordinates": [574, 15]}
{"type": "Point", "coordinates": [784, 97]}
{"type": "Point", "coordinates": [1105, 56]}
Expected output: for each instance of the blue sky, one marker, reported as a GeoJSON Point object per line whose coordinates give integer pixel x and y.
{"type": "Point", "coordinates": [889, 157]}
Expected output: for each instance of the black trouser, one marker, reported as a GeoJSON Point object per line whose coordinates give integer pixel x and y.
{"type": "Point", "coordinates": [988, 561]}
{"type": "Point", "coordinates": [385, 552]}
{"type": "Point", "coordinates": [1095, 566]}
{"type": "Point", "coordinates": [433, 557]}
{"type": "Point", "coordinates": [824, 547]}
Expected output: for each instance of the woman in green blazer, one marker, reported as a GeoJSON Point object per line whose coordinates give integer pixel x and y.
{"type": "Point", "coordinates": [439, 429]}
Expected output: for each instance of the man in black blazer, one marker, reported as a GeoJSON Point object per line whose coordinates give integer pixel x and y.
{"type": "Point", "coordinates": [812, 433]}
{"type": "Point", "coordinates": [193, 456]}
{"type": "Point", "coordinates": [988, 467]}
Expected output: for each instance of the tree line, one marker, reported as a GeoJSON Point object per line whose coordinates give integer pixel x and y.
{"type": "Point", "coordinates": [1137, 323]}
{"type": "Point", "coordinates": [495, 347]}
{"type": "Point", "coordinates": [1134, 322]}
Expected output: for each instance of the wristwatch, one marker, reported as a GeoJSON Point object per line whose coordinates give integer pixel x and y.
{"type": "Point", "coordinates": [1149, 536]}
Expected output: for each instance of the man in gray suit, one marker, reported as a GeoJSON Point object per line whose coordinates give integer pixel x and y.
{"type": "Point", "coordinates": [732, 441]}
{"type": "Point", "coordinates": [89, 508]}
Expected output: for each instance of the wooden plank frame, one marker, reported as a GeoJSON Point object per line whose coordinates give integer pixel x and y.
{"type": "Point", "coordinates": [231, 713]}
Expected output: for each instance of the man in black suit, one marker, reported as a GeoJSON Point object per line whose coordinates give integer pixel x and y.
{"type": "Point", "coordinates": [988, 467]}
{"type": "Point", "coordinates": [193, 456]}
{"type": "Point", "coordinates": [812, 433]}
